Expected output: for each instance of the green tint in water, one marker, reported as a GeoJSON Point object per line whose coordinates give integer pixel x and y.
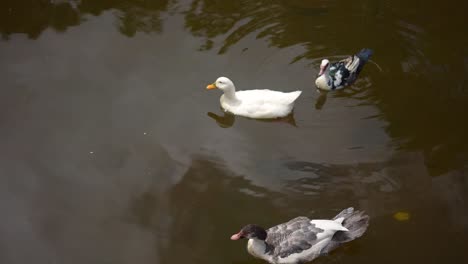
{"type": "Point", "coordinates": [112, 151]}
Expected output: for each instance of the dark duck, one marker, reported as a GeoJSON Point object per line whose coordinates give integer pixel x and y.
{"type": "Point", "coordinates": [337, 75]}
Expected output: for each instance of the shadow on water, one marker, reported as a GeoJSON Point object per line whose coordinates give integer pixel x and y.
{"type": "Point", "coordinates": [278, 21]}
{"type": "Point", "coordinates": [200, 221]}
{"type": "Point", "coordinates": [217, 194]}
{"type": "Point", "coordinates": [32, 17]}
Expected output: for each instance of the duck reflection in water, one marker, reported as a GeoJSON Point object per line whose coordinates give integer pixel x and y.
{"type": "Point", "coordinates": [358, 91]}
{"type": "Point", "coordinates": [321, 99]}
{"type": "Point", "coordinates": [227, 119]}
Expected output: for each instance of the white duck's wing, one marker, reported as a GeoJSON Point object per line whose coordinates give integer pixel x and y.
{"type": "Point", "coordinates": [263, 97]}
{"type": "Point", "coordinates": [284, 98]}
{"type": "Point", "coordinates": [265, 103]}
{"type": "Point", "coordinates": [252, 105]}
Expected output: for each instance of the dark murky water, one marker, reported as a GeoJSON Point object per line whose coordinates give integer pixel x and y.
{"type": "Point", "coordinates": [112, 151]}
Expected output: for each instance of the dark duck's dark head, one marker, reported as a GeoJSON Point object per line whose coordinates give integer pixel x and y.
{"type": "Point", "coordinates": [250, 231]}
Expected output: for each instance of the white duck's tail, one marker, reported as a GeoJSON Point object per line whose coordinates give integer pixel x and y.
{"type": "Point", "coordinates": [355, 221]}
{"type": "Point", "coordinates": [293, 96]}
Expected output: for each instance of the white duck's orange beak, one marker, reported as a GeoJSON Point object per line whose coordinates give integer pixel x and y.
{"type": "Point", "coordinates": [211, 86]}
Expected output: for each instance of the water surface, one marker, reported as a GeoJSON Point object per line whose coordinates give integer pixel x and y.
{"type": "Point", "coordinates": [112, 151]}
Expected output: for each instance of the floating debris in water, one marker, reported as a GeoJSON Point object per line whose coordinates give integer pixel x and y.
{"type": "Point", "coordinates": [401, 216]}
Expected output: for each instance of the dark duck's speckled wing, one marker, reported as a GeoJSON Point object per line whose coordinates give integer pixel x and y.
{"type": "Point", "coordinates": [342, 73]}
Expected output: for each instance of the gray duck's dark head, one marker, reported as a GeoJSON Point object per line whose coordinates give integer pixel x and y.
{"type": "Point", "coordinates": [250, 231]}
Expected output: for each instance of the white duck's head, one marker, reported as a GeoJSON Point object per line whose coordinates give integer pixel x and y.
{"type": "Point", "coordinates": [324, 66]}
{"type": "Point", "coordinates": [222, 83]}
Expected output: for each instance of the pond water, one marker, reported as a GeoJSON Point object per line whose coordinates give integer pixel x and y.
{"type": "Point", "coordinates": [112, 150]}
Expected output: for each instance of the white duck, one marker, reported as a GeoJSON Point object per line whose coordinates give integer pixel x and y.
{"type": "Point", "coordinates": [254, 103]}
{"type": "Point", "coordinates": [337, 75]}
{"type": "Point", "coordinates": [302, 240]}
